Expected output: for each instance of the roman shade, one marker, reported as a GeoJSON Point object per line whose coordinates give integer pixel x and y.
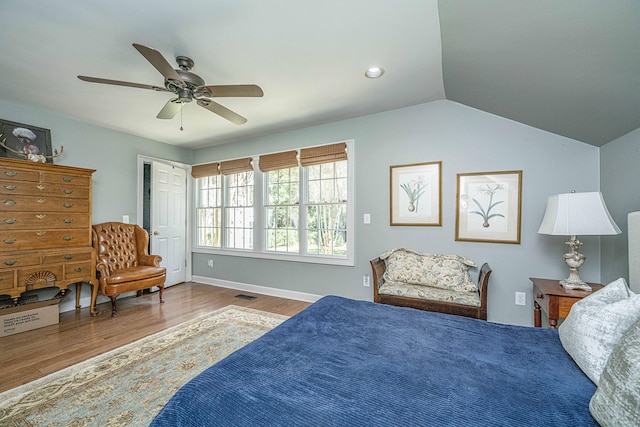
{"type": "Point", "coordinates": [271, 162]}
{"type": "Point", "coordinates": [323, 154]}
{"type": "Point", "coordinates": [236, 166]}
{"type": "Point", "coordinates": [208, 169]}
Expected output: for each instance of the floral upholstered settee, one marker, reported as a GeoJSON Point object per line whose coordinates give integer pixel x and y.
{"type": "Point", "coordinates": [431, 282]}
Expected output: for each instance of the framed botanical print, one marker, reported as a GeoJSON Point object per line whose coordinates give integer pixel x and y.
{"type": "Point", "coordinates": [416, 194]}
{"type": "Point", "coordinates": [488, 207]}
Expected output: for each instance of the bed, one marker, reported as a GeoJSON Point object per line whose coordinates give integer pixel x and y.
{"type": "Point", "coordinates": [343, 362]}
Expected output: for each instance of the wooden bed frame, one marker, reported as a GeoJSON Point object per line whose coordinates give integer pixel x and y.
{"type": "Point", "coordinates": [378, 267]}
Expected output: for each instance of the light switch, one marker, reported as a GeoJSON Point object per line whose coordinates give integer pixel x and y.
{"type": "Point", "coordinates": [367, 218]}
{"type": "Point", "coordinates": [125, 219]}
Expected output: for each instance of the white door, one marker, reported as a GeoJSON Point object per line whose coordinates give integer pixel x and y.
{"type": "Point", "coordinates": [168, 219]}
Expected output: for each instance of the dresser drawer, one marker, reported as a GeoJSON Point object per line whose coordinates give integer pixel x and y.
{"type": "Point", "coordinates": [67, 257]}
{"type": "Point", "coordinates": [20, 203]}
{"type": "Point", "coordinates": [31, 220]}
{"type": "Point", "coordinates": [40, 277]}
{"type": "Point", "coordinates": [43, 239]}
{"type": "Point", "coordinates": [17, 174]}
{"type": "Point", "coordinates": [39, 189]}
{"type": "Point", "coordinates": [18, 260]}
{"type": "Point", "coordinates": [78, 271]}
{"type": "Point", "coordinates": [6, 280]}
{"type": "Point", "coordinates": [66, 179]}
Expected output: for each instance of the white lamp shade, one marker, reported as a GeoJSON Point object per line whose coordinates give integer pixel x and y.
{"type": "Point", "coordinates": [574, 214]}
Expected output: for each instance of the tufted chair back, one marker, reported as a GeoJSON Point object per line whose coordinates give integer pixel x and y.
{"type": "Point", "coordinates": [119, 245]}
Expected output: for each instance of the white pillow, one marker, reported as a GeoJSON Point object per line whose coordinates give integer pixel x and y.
{"type": "Point", "coordinates": [595, 324]}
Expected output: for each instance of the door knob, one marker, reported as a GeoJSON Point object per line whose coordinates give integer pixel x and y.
{"type": "Point", "coordinates": [155, 233]}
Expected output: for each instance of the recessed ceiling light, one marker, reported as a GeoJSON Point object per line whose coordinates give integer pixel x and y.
{"type": "Point", "coordinates": [374, 72]}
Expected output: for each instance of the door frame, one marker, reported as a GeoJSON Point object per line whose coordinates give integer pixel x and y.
{"type": "Point", "coordinates": [142, 160]}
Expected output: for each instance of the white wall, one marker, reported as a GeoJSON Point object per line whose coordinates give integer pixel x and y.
{"type": "Point", "coordinates": [465, 140]}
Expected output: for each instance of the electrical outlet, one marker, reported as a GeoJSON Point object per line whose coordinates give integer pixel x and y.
{"type": "Point", "coordinates": [210, 263]}
{"type": "Point", "coordinates": [521, 298]}
{"type": "Point", "coordinates": [366, 281]}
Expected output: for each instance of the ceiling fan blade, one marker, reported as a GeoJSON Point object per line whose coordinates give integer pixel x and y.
{"type": "Point", "coordinates": [157, 60]}
{"type": "Point", "coordinates": [224, 112]}
{"type": "Point", "coordinates": [169, 110]}
{"type": "Point", "coordinates": [121, 83]}
{"type": "Point", "coordinates": [235, 90]}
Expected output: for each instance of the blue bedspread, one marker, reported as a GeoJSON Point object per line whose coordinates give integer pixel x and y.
{"type": "Point", "coordinates": [343, 362]}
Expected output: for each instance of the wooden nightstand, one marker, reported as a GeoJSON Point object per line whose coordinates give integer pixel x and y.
{"type": "Point", "coordinates": [554, 300]}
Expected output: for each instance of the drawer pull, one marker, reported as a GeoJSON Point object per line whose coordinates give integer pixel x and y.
{"type": "Point", "coordinates": [41, 216]}
{"type": "Point", "coordinates": [11, 173]}
{"type": "Point", "coordinates": [10, 187]}
{"type": "Point", "coordinates": [10, 202]}
{"type": "Point", "coordinates": [68, 191]}
{"type": "Point", "coordinates": [68, 221]}
{"type": "Point", "coordinates": [40, 233]}
{"type": "Point", "coordinates": [77, 269]}
{"type": "Point", "coordinates": [68, 257]}
{"type": "Point", "coordinates": [68, 205]}
{"type": "Point", "coordinates": [41, 187]}
{"type": "Point", "coordinates": [9, 263]}
{"type": "Point", "coordinates": [67, 179]}
{"type": "Point", "coordinates": [41, 200]}
{"type": "Point", "coordinates": [10, 221]}
{"type": "Point", "coordinates": [9, 241]}
{"type": "Point", "coordinates": [67, 238]}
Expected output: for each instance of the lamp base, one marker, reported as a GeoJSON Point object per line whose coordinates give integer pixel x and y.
{"type": "Point", "coordinates": [574, 260]}
{"type": "Point", "coordinates": [569, 284]}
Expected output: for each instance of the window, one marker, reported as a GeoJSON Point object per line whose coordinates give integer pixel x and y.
{"type": "Point", "coordinates": [239, 210]}
{"type": "Point", "coordinates": [282, 210]}
{"type": "Point", "coordinates": [294, 205]}
{"type": "Point", "coordinates": [326, 208]}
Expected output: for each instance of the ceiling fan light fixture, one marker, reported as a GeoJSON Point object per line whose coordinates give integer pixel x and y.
{"type": "Point", "coordinates": [374, 72]}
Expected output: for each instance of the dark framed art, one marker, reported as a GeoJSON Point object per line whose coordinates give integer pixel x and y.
{"type": "Point", "coordinates": [489, 207]}
{"type": "Point", "coordinates": [21, 140]}
{"type": "Point", "coordinates": [416, 197]}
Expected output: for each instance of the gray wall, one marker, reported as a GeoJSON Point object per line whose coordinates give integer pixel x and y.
{"type": "Point", "coordinates": [465, 140]}
{"type": "Point", "coordinates": [112, 154]}
{"type": "Point", "coordinates": [619, 179]}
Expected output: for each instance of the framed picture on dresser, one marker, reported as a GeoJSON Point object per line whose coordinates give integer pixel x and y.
{"type": "Point", "coordinates": [19, 140]}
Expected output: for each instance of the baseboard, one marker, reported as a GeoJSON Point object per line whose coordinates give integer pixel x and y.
{"type": "Point", "coordinates": [263, 290]}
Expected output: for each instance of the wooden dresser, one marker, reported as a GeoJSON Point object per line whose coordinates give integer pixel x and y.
{"type": "Point", "coordinates": [45, 227]}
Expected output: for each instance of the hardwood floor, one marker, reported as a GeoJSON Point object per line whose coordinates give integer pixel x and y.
{"type": "Point", "coordinates": [30, 355]}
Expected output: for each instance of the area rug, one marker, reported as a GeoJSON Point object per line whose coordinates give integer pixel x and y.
{"type": "Point", "coordinates": [128, 386]}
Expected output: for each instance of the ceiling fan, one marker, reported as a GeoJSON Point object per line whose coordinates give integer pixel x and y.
{"type": "Point", "coordinates": [187, 86]}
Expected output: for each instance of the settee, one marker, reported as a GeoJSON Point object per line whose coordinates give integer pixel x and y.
{"type": "Point", "coordinates": [431, 282]}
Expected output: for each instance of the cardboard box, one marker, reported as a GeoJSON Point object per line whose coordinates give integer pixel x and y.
{"type": "Point", "coordinates": [26, 317]}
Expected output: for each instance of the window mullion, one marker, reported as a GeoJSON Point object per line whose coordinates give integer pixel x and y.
{"type": "Point", "coordinates": [302, 209]}
{"type": "Point", "coordinates": [259, 203]}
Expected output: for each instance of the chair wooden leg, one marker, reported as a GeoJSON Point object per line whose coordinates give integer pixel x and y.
{"type": "Point", "coordinates": [161, 291]}
{"type": "Point", "coordinates": [113, 304]}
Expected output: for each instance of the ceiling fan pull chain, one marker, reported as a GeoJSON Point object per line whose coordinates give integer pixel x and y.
{"type": "Point", "coordinates": [181, 116]}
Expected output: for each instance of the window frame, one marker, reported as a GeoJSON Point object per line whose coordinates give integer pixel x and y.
{"type": "Point", "coordinates": [259, 229]}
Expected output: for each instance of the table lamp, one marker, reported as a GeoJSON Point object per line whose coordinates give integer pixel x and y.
{"type": "Point", "coordinates": [573, 214]}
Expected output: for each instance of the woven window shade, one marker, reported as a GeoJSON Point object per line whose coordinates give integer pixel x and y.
{"type": "Point", "coordinates": [272, 162]}
{"type": "Point", "coordinates": [209, 169]}
{"type": "Point", "coordinates": [323, 154]}
{"type": "Point", "coordinates": [236, 166]}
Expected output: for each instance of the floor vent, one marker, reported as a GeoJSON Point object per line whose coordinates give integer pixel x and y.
{"type": "Point", "coordinates": [243, 296]}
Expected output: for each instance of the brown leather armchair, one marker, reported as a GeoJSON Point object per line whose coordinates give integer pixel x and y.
{"type": "Point", "coordinates": [123, 261]}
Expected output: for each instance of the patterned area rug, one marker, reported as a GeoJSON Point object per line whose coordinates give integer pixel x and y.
{"type": "Point", "coordinates": [128, 386]}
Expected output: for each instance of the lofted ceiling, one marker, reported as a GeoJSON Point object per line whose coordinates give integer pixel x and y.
{"type": "Point", "coordinates": [569, 67]}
